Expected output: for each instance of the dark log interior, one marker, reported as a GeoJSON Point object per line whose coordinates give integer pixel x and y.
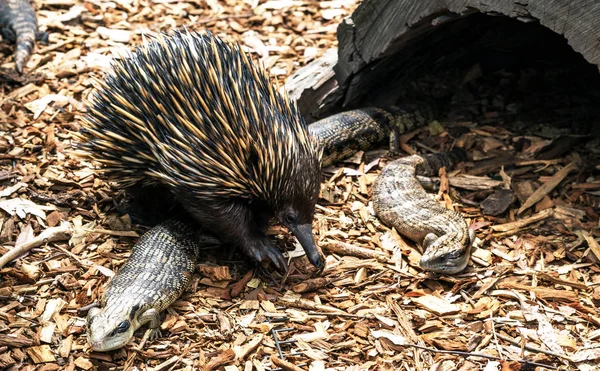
{"type": "Point", "coordinates": [493, 42]}
{"type": "Point", "coordinates": [549, 78]}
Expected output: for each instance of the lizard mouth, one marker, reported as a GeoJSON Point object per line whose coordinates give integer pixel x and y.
{"type": "Point", "coordinates": [106, 345]}
{"type": "Point", "coordinates": [97, 346]}
{"type": "Point", "coordinates": [445, 263]}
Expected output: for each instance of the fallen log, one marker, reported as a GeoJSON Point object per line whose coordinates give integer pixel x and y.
{"type": "Point", "coordinates": [387, 43]}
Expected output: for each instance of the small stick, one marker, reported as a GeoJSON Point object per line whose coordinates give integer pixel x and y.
{"type": "Point", "coordinates": [284, 365]}
{"type": "Point", "coordinates": [238, 287]}
{"type": "Point", "coordinates": [57, 45]}
{"type": "Point", "coordinates": [532, 348]}
{"type": "Point", "coordinates": [310, 285]}
{"type": "Point", "coordinates": [51, 234]}
{"type": "Point", "coordinates": [348, 315]}
{"type": "Point", "coordinates": [308, 304]}
{"type": "Point", "coordinates": [113, 233]}
{"type": "Point", "coordinates": [481, 355]}
{"type": "Point", "coordinates": [225, 357]}
{"type": "Point", "coordinates": [547, 187]}
{"type": "Point", "coordinates": [498, 347]}
{"type": "Point", "coordinates": [343, 248]}
{"type": "Point", "coordinates": [523, 222]}
{"type": "Point", "coordinates": [145, 338]}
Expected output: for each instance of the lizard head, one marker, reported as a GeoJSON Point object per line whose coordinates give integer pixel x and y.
{"type": "Point", "coordinates": [446, 254]}
{"type": "Point", "coordinates": [109, 329]}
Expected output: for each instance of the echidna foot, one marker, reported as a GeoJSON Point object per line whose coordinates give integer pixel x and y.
{"type": "Point", "coordinates": [263, 251]}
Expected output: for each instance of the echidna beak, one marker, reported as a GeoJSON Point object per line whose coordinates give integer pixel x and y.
{"type": "Point", "coordinates": [304, 235]}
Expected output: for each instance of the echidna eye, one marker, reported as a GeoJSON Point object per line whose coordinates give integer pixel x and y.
{"type": "Point", "coordinates": [291, 218]}
{"type": "Point", "coordinates": [122, 327]}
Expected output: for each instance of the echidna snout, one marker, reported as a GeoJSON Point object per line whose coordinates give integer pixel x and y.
{"type": "Point", "coordinates": [299, 223]}
{"type": "Point", "coordinates": [303, 233]}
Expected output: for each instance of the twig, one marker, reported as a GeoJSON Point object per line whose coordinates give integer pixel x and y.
{"type": "Point", "coordinates": [499, 349]}
{"type": "Point", "coordinates": [75, 257]}
{"type": "Point", "coordinates": [145, 338]}
{"type": "Point", "coordinates": [311, 285]}
{"type": "Point", "coordinates": [547, 277]}
{"type": "Point", "coordinates": [427, 148]}
{"type": "Point", "coordinates": [286, 275]}
{"type": "Point", "coordinates": [57, 45]}
{"type": "Point", "coordinates": [532, 348]}
{"type": "Point", "coordinates": [343, 248]}
{"type": "Point", "coordinates": [113, 233]}
{"type": "Point", "coordinates": [348, 315]}
{"type": "Point", "coordinates": [131, 357]}
{"type": "Point", "coordinates": [592, 243]}
{"type": "Point", "coordinates": [284, 365]}
{"type": "Point", "coordinates": [547, 187]}
{"type": "Point", "coordinates": [308, 304]}
{"type": "Point", "coordinates": [51, 234]}
{"type": "Point", "coordinates": [513, 226]}
{"type": "Point", "coordinates": [223, 358]}
{"type": "Point", "coordinates": [487, 356]}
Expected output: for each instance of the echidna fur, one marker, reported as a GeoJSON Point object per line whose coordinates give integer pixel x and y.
{"type": "Point", "coordinates": [194, 113]}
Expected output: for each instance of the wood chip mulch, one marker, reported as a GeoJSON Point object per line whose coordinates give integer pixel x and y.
{"type": "Point", "coordinates": [531, 192]}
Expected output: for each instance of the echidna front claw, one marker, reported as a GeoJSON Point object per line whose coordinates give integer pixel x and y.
{"type": "Point", "coordinates": [263, 251]}
{"type": "Point", "coordinates": [277, 258]}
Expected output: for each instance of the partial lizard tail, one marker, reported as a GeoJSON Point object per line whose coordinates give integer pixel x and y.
{"type": "Point", "coordinates": [19, 25]}
{"type": "Point", "coordinates": [26, 30]}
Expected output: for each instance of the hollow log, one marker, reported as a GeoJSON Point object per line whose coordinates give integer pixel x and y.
{"type": "Point", "coordinates": [386, 43]}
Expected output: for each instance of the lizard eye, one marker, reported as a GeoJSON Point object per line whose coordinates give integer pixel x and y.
{"type": "Point", "coordinates": [122, 327]}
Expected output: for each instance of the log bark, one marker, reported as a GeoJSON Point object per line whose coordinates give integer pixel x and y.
{"type": "Point", "coordinates": [414, 37]}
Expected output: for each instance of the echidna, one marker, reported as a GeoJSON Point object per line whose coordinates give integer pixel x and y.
{"type": "Point", "coordinates": [194, 113]}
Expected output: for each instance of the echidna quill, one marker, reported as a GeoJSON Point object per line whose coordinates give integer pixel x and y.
{"type": "Point", "coordinates": [194, 113]}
